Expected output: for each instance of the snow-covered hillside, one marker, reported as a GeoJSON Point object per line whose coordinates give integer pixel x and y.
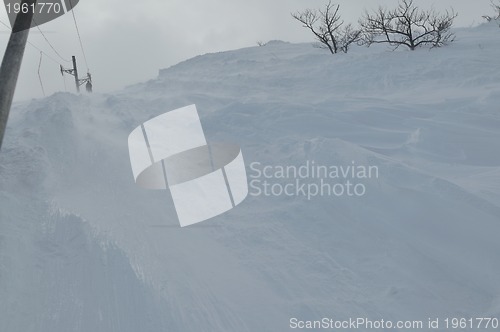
{"type": "Point", "coordinates": [82, 248]}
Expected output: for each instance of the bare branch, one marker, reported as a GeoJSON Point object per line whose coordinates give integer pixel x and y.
{"type": "Point", "coordinates": [408, 26]}
{"type": "Point", "coordinates": [328, 28]}
{"type": "Point", "coordinates": [496, 8]}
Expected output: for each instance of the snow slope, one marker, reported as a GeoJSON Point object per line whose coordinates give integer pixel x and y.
{"type": "Point", "coordinates": [83, 249]}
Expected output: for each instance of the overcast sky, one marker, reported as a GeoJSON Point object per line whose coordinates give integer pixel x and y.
{"type": "Point", "coordinates": [128, 41]}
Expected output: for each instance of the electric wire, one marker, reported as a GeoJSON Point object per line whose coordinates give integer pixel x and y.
{"type": "Point", "coordinates": [55, 50]}
{"type": "Point", "coordinates": [52, 47]}
{"type": "Point", "coordinates": [40, 76]}
{"type": "Point", "coordinates": [78, 33]}
{"type": "Point", "coordinates": [34, 46]}
{"type": "Point", "coordinates": [41, 54]}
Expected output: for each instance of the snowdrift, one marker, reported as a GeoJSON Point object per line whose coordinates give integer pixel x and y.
{"type": "Point", "coordinates": [82, 248]}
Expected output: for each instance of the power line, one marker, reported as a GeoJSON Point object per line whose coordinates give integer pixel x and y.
{"type": "Point", "coordinates": [74, 70]}
{"type": "Point", "coordinates": [48, 56]}
{"type": "Point", "coordinates": [48, 42]}
{"type": "Point", "coordinates": [5, 25]}
{"type": "Point", "coordinates": [34, 46]}
{"type": "Point", "coordinates": [78, 33]}
{"type": "Point", "coordinates": [41, 54]}
{"type": "Point", "coordinates": [52, 47]}
{"type": "Point", "coordinates": [40, 76]}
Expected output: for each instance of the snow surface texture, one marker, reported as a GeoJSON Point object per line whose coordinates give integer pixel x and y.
{"type": "Point", "coordinates": [82, 248]}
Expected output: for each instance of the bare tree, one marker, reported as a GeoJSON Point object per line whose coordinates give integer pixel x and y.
{"type": "Point", "coordinates": [348, 36]}
{"type": "Point", "coordinates": [409, 26]}
{"type": "Point", "coordinates": [496, 7]}
{"type": "Point", "coordinates": [328, 28]}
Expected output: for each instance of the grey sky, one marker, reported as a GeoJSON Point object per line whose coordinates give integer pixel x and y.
{"type": "Point", "coordinates": [127, 41]}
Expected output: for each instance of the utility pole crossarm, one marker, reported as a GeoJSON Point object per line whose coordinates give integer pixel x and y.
{"type": "Point", "coordinates": [78, 81]}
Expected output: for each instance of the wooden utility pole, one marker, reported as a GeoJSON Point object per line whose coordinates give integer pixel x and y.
{"type": "Point", "coordinates": [75, 72]}
{"type": "Point", "coordinates": [11, 64]}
